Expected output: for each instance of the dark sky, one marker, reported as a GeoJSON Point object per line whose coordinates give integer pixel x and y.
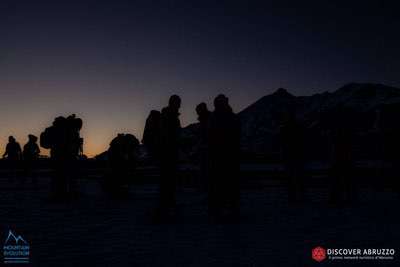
{"type": "Point", "coordinates": [111, 62]}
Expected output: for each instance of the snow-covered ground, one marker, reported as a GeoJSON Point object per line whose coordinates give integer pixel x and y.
{"type": "Point", "coordinates": [97, 231]}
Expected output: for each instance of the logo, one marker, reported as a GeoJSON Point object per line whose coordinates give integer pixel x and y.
{"type": "Point", "coordinates": [15, 249]}
{"type": "Point", "coordinates": [318, 254]}
{"type": "Point", "coordinates": [334, 254]}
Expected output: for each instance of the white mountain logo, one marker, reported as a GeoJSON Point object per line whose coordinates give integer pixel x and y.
{"type": "Point", "coordinates": [11, 236]}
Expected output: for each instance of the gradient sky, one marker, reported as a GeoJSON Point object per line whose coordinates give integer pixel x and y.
{"type": "Point", "coordinates": [112, 62]}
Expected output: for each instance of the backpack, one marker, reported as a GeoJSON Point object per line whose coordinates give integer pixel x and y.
{"type": "Point", "coordinates": [46, 138]}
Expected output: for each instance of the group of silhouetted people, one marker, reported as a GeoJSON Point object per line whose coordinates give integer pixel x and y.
{"type": "Point", "coordinates": [27, 156]}
{"type": "Point", "coordinates": [219, 149]}
{"type": "Point", "coordinates": [341, 180]}
{"type": "Point", "coordinates": [219, 146]}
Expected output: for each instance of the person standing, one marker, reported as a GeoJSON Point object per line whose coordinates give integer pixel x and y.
{"type": "Point", "coordinates": [169, 147]}
{"type": "Point", "coordinates": [151, 135]}
{"type": "Point", "coordinates": [30, 155]}
{"type": "Point", "coordinates": [13, 150]}
{"type": "Point", "coordinates": [65, 144]}
{"type": "Point", "coordinates": [204, 119]}
{"type": "Point", "coordinates": [13, 154]}
{"type": "Point", "coordinates": [224, 148]}
{"type": "Point", "coordinates": [343, 187]}
{"type": "Point", "coordinates": [292, 139]}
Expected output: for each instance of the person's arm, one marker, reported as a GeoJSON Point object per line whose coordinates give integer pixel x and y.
{"type": "Point", "coordinates": [6, 152]}
{"type": "Point", "coordinates": [19, 152]}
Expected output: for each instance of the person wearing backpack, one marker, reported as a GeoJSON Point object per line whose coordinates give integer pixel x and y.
{"type": "Point", "coordinates": [121, 163]}
{"type": "Point", "coordinates": [65, 145]}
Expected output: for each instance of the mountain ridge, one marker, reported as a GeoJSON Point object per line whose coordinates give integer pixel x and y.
{"type": "Point", "coordinates": [261, 120]}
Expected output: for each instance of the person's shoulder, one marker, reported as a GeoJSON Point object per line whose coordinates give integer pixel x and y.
{"type": "Point", "coordinates": [212, 116]}
{"type": "Point", "coordinates": [164, 114]}
{"type": "Point", "coordinates": [164, 110]}
{"type": "Point", "coordinates": [237, 120]}
{"type": "Point", "coordinates": [232, 116]}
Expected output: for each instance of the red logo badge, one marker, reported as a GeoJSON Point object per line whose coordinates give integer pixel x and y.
{"type": "Point", "coordinates": [318, 254]}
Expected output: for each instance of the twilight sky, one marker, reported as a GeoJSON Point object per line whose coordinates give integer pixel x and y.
{"type": "Point", "coordinates": [111, 62]}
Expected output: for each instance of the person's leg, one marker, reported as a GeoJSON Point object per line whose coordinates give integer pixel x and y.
{"type": "Point", "coordinates": [300, 182]}
{"type": "Point", "coordinates": [33, 171]}
{"type": "Point", "coordinates": [214, 206]}
{"type": "Point", "coordinates": [235, 196]}
{"type": "Point", "coordinates": [58, 183]}
{"type": "Point", "coordinates": [292, 183]}
{"type": "Point", "coordinates": [334, 178]}
{"type": "Point", "coordinates": [164, 190]}
{"type": "Point", "coordinates": [351, 185]}
{"type": "Point", "coordinates": [73, 176]}
{"type": "Point", "coordinates": [171, 186]}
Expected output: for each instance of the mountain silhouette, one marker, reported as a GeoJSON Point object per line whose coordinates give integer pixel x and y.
{"type": "Point", "coordinates": [261, 120]}
{"type": "Point", "coordinates": [15, 238]}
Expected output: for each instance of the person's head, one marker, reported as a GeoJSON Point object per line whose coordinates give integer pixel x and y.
{"type": "Point", "coordinates": [74, 123]}
{"type": "Point", "coordinates": [59, 121]}
{"type": "Point", "coordinates": [154, 115]}
{"type": "Point", "coordinates": [201, 108]}
{"type": "Point", "coordinates": [131, 140]}
{"type": "Point", "coordinates": [221, 103]}
{"type": "Point", "coordinates": [71, 117]}
{"type": "Point", "coordinates": [174, 102]}
{"type": "Point", "coordinates": [11, 139]}
{"type": "Point", "coordinates": [32, 138]}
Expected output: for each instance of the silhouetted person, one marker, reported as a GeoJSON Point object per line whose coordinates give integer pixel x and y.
{"type": "Point", "coordinates": [151, 135]}
{"type": "Point", "coordinates": [382, 141]}
{"type": "Point", "coordinates": [224, 151]}
{"type": "Point", "coordinates": [391, 158]}
{"type": "Point", "coordinates": [389, 140]}
{"type": "Point", "coordinates": [121, 157]}
{"type": "Point", "coordinates": [13, 150]}
{"type": "Point", "coordinates": [342, 177]}
{"type": "Point", "coordinates": [169, 144]}
{"type": "Point", "coordinates": [31, 154]}
{"type": "Point", "coordinates": [65, 145]}
{"type": "Point", "coordinates": [13, 155]}
{"type": "Point", "coordinates": [203, 116]}
{"type": "Point", "coordinates": [292, 139]}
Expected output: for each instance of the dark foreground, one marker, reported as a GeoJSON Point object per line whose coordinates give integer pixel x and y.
{"type": "Point", "coordinates": [97, 231]}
